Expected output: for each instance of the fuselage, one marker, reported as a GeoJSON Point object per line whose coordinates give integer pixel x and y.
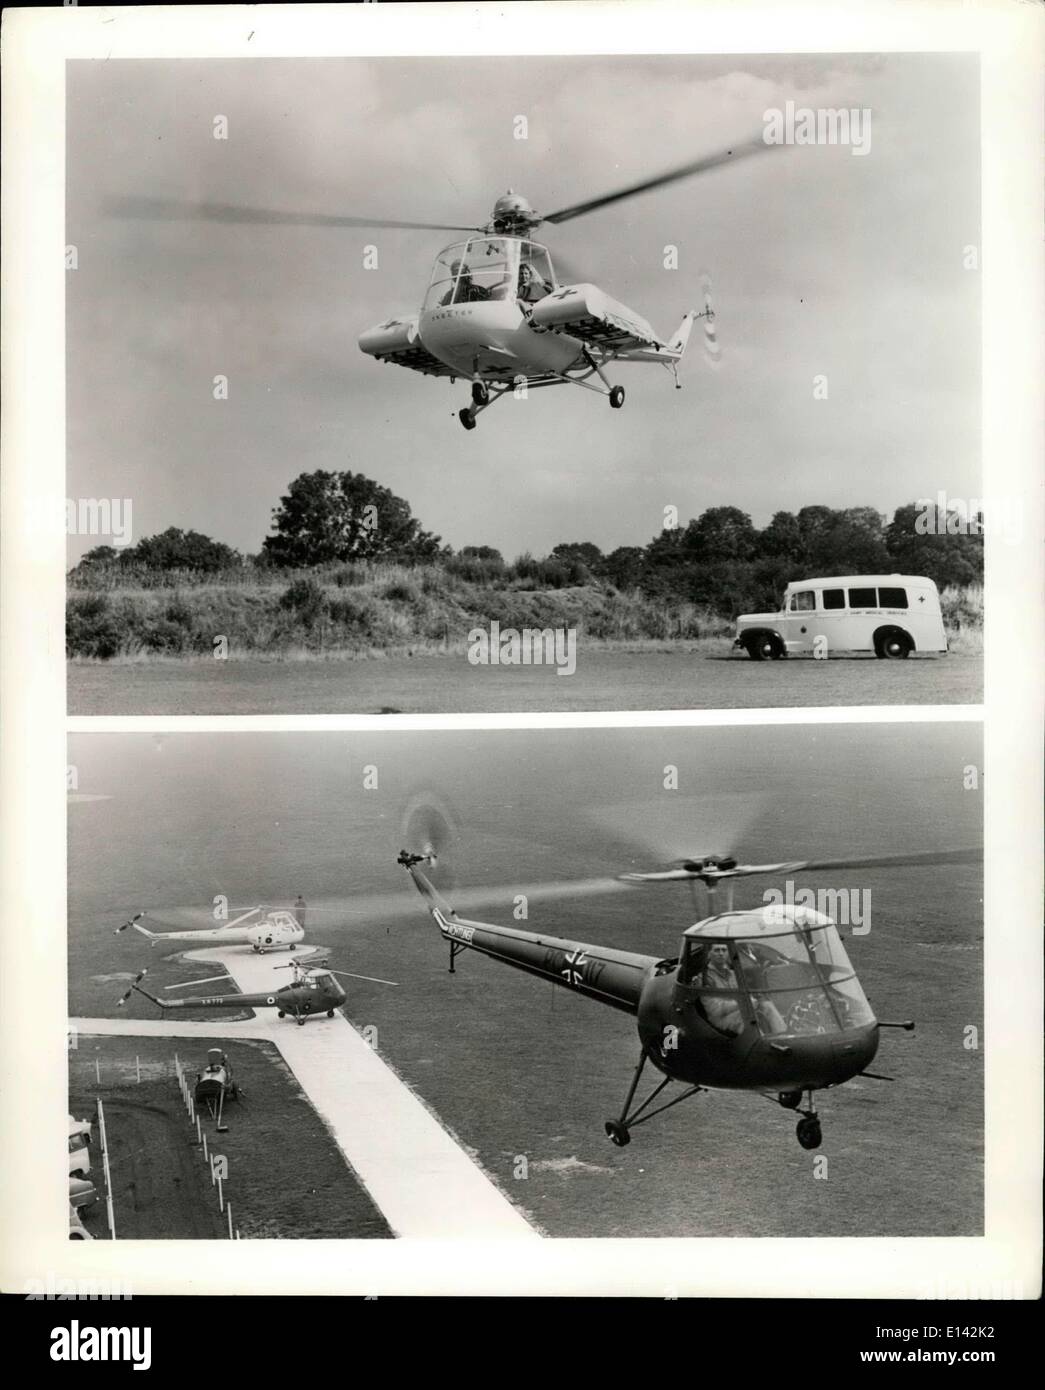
{"type": "Point", "coordinates": [494, 340]}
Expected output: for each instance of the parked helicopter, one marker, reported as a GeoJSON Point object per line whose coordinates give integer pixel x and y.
{"type": "Point", "coordinates": [496, 313]}
{"type": "Point", "coordinates": [314, 990]}
{"type": "Point", "coordinates": [761, 1000]}
{"type": "Point", "coordinates": [278, 927]}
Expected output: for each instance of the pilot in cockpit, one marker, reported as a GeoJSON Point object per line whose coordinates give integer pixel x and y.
{"type": "Point", "coordinates": [532, 285]}
{"type": "Point", "coordinates": [723, 1011]}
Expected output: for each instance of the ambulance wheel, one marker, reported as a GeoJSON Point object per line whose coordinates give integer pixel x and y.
{"type": "Point", "coordinates": [466, 418]}
{"type": "Point", "coordinates": [765, 647]}
{"type": "Point", "coordinates": [616, 397]}
{"type": "Point", "coordinates": [892, 645]}
{"type": "Point", "coordinates": [617, 1132]}
{"type": "Point", "coordinates": [808, 1131]}
{"type": "Point", "coordinates": [480, 393]}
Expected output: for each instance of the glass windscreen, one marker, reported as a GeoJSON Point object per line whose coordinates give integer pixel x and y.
{"type": "Point", "coordinates": [474, 272]}
{"type": "Point", "coordinates": [787, 985]}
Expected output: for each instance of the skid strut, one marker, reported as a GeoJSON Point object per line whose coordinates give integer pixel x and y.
{"type": "Point", "coordinates": [620, 1130]}
{"type": "Point", "coordinates": [456, 947]}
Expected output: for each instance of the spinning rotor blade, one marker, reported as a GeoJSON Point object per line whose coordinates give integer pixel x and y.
{"type": "Point", "coordinates": [711, 343]}
{"type": "Point", "coordinates": [698, 166]}
{"type": "Point", "coordinates": [174, 210]}
{"type": "Point", "coordinates": [869, 861]}
{"type": "Point", "coordinates": [694, 870]}
{"type": "Point", "coordinates": [674, 832]}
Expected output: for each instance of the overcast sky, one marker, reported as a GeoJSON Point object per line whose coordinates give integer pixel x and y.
{"type": "Point", "coordinates": [822, 261]}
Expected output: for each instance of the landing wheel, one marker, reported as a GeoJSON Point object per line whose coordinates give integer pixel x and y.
{"type": "Point", "coordinates": [790, 1100]}
{"type": "Point", "coordinates": [618, 1133]}
{"type": "Point", "coordinates": [808, 1132]}
{"type": "Point", "coordinates": [281, 1013]}
{"type": "Point", "coordinates": [480, 393]}
{"type": "Point", "coordinates": [466, 418]}
{"type": "Point", "coordinates": [616, 397]}
{"type": "Point", "coordinates": [256, 948]}
{"type": "Point", "coordinates": [300, 1022]}
{"type": "Point", "coordinates": [330, 1013]}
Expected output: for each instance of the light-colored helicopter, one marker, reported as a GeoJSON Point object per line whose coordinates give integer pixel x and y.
{"type": "Point", "coordinates": [277, 928]}
{"type": "Point", "coordinates": [496, 313]}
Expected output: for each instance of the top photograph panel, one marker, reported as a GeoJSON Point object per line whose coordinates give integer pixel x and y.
{"type": "Point", "coordinates": [313, 310]}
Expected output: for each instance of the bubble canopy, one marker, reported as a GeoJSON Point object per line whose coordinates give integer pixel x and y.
{"type": "Point", "coordinates": [775, 919]}
{"type": "Point", "coordinates": [781, 968]}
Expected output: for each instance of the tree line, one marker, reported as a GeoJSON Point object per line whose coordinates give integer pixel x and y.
{"type": "Point", "coordinates": [719, 559]}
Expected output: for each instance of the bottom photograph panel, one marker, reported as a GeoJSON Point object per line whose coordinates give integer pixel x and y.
{"type": "Point", "coordinates": [710, 981]}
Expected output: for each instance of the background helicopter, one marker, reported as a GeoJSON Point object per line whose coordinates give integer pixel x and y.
{"type": "Point", "coordinates": [278, 927]}
{"type": "Point", "coordinates": [313, 990]}
{"type": "Point", "coordinates": [761, 1000]}
{"type": "Point", "coordinates": [496, 312]}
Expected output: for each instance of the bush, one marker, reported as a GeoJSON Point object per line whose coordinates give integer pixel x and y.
{"type": "Point", "coordinates": [305, 599]}
{"type": "Point", "coordinates": [400, 592]}
{"type": "Point", "coordinates": [91, 627]}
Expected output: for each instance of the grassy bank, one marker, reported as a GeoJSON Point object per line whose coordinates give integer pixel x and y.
{"type": "Point", "coordinates": [369, 610]}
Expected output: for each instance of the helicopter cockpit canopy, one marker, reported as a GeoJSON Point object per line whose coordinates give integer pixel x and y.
{"type": "Point", "coordinates": [781, 967]}
{"type": "Point", "coordinates": [489, 268]}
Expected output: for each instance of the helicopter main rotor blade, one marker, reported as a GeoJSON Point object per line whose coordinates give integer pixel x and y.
{"type": "Point", "coordinates": [685, 171]}
{"type": "Point", "coordinates": [351, 975]}
{"type": "Point", "coordinates": [173, 210]}
{"type": "Point", "coordinates": [712, 874]}
{"type": "Point", "coordinates": [868, 861]}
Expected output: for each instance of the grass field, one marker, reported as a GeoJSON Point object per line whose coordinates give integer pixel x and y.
{"type": "Point", "coordinates": [287, 1178]}
{"type": "Point", "coordinates": [687, 676]}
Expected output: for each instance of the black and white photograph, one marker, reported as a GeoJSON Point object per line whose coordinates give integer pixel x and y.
{"type": "Point", "coordinates": [521, 586]}
{"type": "Point", "coordinates": [310, 307]}
{"type": "Point", "coordinates": [395, 947]}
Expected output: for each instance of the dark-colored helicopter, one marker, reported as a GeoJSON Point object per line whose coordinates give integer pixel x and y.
{"type": "Point", "coordinates": [761, 1000]}
{"type": "Point", "coordinates": [314, 990]}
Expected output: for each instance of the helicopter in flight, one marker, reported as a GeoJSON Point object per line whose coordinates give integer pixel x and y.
{"type": "Point", "coordinates": [762, 1000]}
{"type": "Point", "coordinates": [314, 990]}
{"type": "Point", "coordinates": [496, 312]}
{"type": "Point", "coordinates": [278, 927]}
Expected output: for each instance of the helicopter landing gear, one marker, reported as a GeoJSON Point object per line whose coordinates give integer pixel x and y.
{"type": "Point", "coordinates": [808, 1131]}
{"type": "Point", "coordinates": [281, 1013]}
{"type": "Point", "coordinates": [480, 393]}
{"type": "Point", "coordinates": [616, 397]}
{"type": "Point", "coordinates": [300, 1021]}
{"type": "Point", "coordinates": [790, 1100]}
{"type": "Point", "coordinates": [330, 1013]}
{"type": "Point", "coordinates": [619, 1130]}
{"type": "Point", "coordinates": [466, 418]}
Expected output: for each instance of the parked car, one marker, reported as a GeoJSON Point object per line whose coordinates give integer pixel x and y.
{"type": "Point", "coordinates": [79, 1152]}
{"type": "Point", "coordinates": [891, 615]}
{"type": "Point", "coordinates": [82, 1193]}
{"type": "Point", "coordinates": [77, 1230]}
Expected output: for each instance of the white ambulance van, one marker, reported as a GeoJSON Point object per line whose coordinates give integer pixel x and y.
{"type": "Point", "coordinates": [891, 615]}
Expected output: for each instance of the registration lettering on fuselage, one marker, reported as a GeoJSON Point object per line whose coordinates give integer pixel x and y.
{"type": "Point", "coordinates": [454, 928]}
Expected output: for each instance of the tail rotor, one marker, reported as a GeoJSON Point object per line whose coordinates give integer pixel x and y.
{"type": "Point", "coordinates": [712, 350]}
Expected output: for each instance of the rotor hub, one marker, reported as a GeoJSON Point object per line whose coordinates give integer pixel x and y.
{"type": "Point", "coordinates": [513, 215]}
